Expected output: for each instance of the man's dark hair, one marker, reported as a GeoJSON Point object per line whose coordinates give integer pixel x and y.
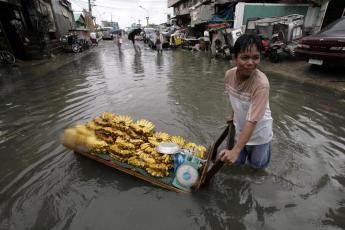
{"type": "Point", "coordinates": [245, 42]}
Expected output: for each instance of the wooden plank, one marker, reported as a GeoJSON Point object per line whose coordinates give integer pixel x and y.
{"type": "Point", "coordinates": [132, 172]}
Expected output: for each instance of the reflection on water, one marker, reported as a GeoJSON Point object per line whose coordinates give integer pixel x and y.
{"type": "Point", "coordinates": [45, 186]}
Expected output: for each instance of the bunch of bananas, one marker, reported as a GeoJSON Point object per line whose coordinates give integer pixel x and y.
{"type": "Point", "coordinates": [198, 150]}
{"type": "Point", "coordinates": [83, 139]}
{"type": "Point", "coordinates": [121, 150]}
{"type": "Point", "coordinates": [178, 140]}
{"type": "Point", "coordinates": [155, 164]}
{"type": "Point", "coordinates": [125, 140]}
{"type": "Point", "coordinates": [143, 126]}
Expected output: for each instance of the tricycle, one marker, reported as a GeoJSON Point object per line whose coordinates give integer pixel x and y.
{"type": "Point", "coordinates": [223, 39]}
{"type": "Point", "coordinates": [278, 34]}
{"type": "Point", "coordinates": [76, 41]}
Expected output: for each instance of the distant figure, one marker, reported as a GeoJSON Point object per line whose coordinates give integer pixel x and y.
{"type": "Point", "coordinates": [159, 42]}
{"type": "Point", "coordinates": [206, 39]}
{"type": "Point", "coordinates": [119, 41]}
{"type": "Point", "coordinates": [136, 44]}
{"type": "Point", "coordinates": [196, 47]}
{"type": "Point", "coordinates": [93, 38]}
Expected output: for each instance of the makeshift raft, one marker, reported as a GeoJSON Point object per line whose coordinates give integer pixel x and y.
{"type": "Point", "coordinates": [206, 172]}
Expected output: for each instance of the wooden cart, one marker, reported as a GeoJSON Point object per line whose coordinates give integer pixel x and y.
{"type": "Point", "coordinates": [208, 170]}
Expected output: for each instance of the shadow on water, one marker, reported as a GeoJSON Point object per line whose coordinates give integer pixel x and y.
{"type": "Point", "coordinates": [137, 65]}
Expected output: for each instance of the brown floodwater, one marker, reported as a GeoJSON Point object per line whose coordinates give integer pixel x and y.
{"type": "Point", "coordinates": [45, 186]}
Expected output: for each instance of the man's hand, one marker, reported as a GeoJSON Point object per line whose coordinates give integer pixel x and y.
{"type": "Point", "coordinates": [229, 156]}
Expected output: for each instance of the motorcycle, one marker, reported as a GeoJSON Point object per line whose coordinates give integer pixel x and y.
{"type": "Point", "coordinates": [272, 49]}
{"type": "Point", "coordinates": [222, 50]}
{"type": "Point", "coordinates": [71, 42]}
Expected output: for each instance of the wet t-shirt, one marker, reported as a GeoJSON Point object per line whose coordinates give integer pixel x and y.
{"type": "Point", "coordinates": [250, 102]}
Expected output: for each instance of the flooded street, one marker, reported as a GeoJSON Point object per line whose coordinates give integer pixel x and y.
{"type": "Point", "coordinates": [45, 186]}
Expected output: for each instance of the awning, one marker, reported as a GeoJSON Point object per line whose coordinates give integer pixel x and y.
{"type": "Point", "coordinates": [218, 26]}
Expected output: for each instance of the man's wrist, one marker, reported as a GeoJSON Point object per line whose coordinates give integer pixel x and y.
{"type": "Point", "coordinates": [237, 150]}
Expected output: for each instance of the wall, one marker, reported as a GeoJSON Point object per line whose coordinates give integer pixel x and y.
{"type": "Point", "coordinates": [172, 2]}
{"type": "Point", "coordinates": [64, 18]}
{"type": "Point", "coordinates": [244, 11]}
{"type": "Point", "coordinates": [201, 14]}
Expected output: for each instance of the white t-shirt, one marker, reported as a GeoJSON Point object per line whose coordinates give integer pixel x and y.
{"type": "Point", "coordinates": [250, 102]}
{"type": "Point", "coordinates": [206, 36]}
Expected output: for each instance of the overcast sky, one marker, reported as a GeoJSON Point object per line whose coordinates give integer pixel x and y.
{"type": "Point", "coordinates": [125, 12]}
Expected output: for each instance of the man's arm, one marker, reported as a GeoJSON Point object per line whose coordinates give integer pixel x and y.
{"type": "Point", "coordinates": [231, 156]}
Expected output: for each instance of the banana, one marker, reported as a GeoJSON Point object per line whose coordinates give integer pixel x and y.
{"type": "Point", "coordinates": [178, 140]}
{"type": "Point", "coordinates": [161, 136]}
{"type": "Point", "coordinates": [108, 117]}
{"type": "Point", "coordinates": [123, 120]}
{"type": "Point", "coordinates": [143, 126]}
{"type": "Point", "coordinates": [99, 121]}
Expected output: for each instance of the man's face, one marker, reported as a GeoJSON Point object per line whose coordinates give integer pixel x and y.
{"type": "Point", "coordinates": [248, 61]}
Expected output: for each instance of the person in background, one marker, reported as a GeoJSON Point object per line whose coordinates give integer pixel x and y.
{"type": "Point", "coordinates": [159, 42]}
{"type": "Point", "coordinates": [93, 38]}
{"type": "Point", "coordinates": [207, 39]}
{"type": "Point", "coordinates": [119, 41]}
{"type": "Point", "coordinates": [136, 45]}
{"type": "Point", "coordinates": [248, 90]}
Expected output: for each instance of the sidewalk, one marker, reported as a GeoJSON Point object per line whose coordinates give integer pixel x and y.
{"type": "Point", "coordinates": [332, 78]}
{"type": "Point", "coordinates": [44, 66]}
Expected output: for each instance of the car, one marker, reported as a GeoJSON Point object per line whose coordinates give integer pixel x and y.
{"type": "Point", "coordinates": [108, 33]}
{"type": "Point", "coordinates": [150, 36]}
{"type": "Point", "coordinates": [325, 47]}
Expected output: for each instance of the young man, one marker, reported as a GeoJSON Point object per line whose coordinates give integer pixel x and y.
{"type": "Point", "coordinates": [248, 90]}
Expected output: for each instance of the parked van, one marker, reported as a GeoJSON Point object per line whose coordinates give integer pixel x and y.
{"type": "Point", "coordinates": [107, 33]}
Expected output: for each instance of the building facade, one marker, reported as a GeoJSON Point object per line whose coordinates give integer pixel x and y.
{"type": "Point", "coordinates": [317, 13]}
{"type": "Point", "coordinates": [32, 28]}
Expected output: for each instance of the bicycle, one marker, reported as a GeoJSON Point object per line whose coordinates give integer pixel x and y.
{"type": "Point", "coordinates": [7, 57]}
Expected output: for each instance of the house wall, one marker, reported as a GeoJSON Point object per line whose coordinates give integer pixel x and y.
{"type": "Point", "coordinates": [182, 8]}
{"type": "Point", "coordinates": [64, 19]}
{"type": "Point", "coordinates": [201, 14]}
{"type": "Point", "coordinates": [243, 11]}
{"type": "Point", "coordinates": [173, 2]}
{"type": "Point", "coordinates": [46, 8]}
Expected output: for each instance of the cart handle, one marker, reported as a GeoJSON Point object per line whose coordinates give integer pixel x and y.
{"type": "Point", "coordinates": [229, 132]}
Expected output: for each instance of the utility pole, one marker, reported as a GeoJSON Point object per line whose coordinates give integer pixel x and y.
{"type": "Point", "coordinates": [90, 7]}
{"type": "Point", "coordinates": [139, 21]}
{"type": "Point", "coordinates": [147, 12]}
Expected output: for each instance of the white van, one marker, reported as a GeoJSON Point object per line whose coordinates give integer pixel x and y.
{"type": "Point", "coordinates": [107, 33]}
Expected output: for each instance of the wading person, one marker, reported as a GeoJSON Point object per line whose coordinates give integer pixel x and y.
{"type": "Point", "coordinates": [119, 41]}
{"type": "Point", "coordinates": [136, 45]}
{"type": "Point", "coordinates": [248, 90]}
{"type": "Point", "coordinates": [159, 42]}
{"type": "Point", "coordinates": [206, 39]}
